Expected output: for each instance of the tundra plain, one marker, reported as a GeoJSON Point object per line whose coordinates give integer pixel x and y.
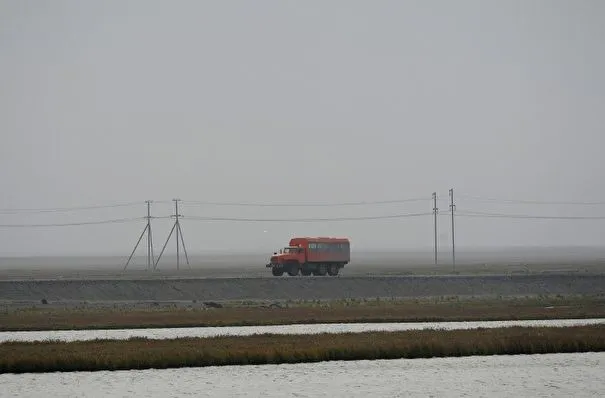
{"type": "Point", "coordinates": [75, 281]}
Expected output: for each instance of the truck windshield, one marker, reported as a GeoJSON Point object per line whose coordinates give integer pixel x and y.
{"type": "Point", "coordinates": [291, 250]}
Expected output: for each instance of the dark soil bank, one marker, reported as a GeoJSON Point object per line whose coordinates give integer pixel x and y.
{"type": "Point", "coordinates": [298, 288]}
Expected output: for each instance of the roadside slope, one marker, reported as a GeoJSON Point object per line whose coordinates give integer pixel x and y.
{"type": "Point", "coordinates": [298, 288]}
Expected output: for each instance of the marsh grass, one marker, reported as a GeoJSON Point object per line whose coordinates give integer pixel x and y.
{"type": "Point", "coordinates": [342, 311]}
{"type": "Point", "coordinates": [142, 353]}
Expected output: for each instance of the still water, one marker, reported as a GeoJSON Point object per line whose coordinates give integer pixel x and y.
{"type": "Point", "coordinates": [549, 375]}
{"type": "Point", "coordinates": [165, 333]}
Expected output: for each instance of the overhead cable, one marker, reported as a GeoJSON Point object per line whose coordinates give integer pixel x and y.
{"type": "Point", "coordinates": [304, 204]}
{"type": "Point", "coordinates": [114, 221]}
{"type": "Point", "coordinates": [7, 211]}
{"type": "Point", "coordinates": [525, 216]}
{"type": "Point", "coordinates": [333, 219]}
{"type": "Point", "coordinates": [67, 209]}
{"type": "Point", "coordinates": [525, 201]}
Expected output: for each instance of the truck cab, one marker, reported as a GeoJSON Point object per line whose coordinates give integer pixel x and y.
{"type": "Point", "coordinates": [288, 259]}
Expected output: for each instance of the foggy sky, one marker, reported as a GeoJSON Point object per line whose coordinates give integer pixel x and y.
{"type": "Point", "coordinates": [282, 101]}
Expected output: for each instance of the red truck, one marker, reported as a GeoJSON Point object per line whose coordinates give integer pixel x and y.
{"type": "Point", "coordinates": [317, 256]}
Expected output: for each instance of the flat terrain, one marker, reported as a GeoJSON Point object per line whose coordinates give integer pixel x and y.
{"type": "Point", "coordinates": [76, 281]}
{"type": "Point", "coordinates": [253, 265]}
{"type": "Point", "coordinates": [51, 356]}
{"type": "Point", "coordinates": [48, 317]}
{"type": "Point", "coordinates": [83, 293]}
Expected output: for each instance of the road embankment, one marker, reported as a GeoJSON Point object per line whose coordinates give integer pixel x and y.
{"type": "Point", "coordinates": [297, 288]}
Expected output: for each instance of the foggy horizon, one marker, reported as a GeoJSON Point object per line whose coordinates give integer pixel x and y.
{"type": "Point", "coordinates": [310, 104]}
{"type": "Point", "coordinates": [492, 253]}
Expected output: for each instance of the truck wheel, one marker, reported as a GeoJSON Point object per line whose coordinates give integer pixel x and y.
{"type": "Point", "coordinates": [320, 270]}
{"type": "Point", "coordinates": [333, 270]}
{"type": "Point", "coordinates": [277, 271]}
{"type": "Point", "coordinates": [293, 271]}
{"type": "Point", "coordinates": [305, 271]}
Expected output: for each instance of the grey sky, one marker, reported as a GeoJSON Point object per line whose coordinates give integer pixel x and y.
{"type": "Point", "coordinates": [277, 101]}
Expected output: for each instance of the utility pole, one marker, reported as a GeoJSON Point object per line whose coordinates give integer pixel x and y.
{"type": "Point", "coordinates": [176, 217]}
{"type": "Point", "coordinates": [150, 256]}
{"type": "Point", "coordinates": [179, 234]}
{"type": "Point", "coordinates": [149, 240]}
{"type": "Point", "coordinates": [452, 208]}
{"type": "Point", "coordinates": [435, 215]}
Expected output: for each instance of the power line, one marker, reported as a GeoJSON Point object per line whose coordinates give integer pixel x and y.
{"type": "Point", "coordinates": [334, 219]}
{"type": "Point", "coordinates": [532, 202]}
{"type": "Point", "coordinates": [299, 204]}
{"type": "Point", "coordinates": [9, 211]}
{"type": "Point", "coordinates": [525, 216]}
{"type": "Point", "coordinates": [305, 204]}
{"type": "Point", "coordinates": [113, 221]}
{"type": "Point", "coordinates": [475, 214]}
{"type": "Point", "coordinates": [66, 209]}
